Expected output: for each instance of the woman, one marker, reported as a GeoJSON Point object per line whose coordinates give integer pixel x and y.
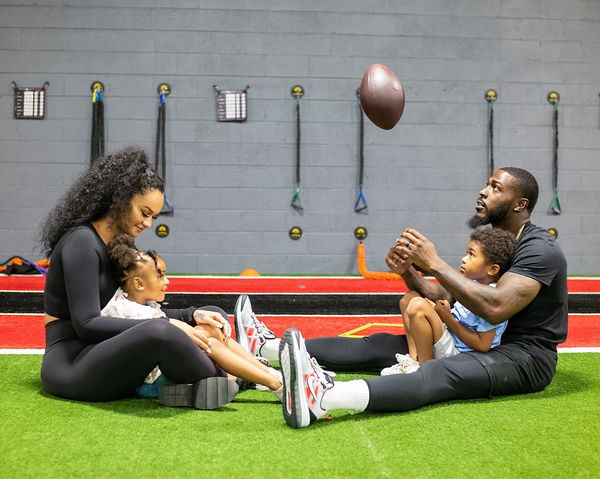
{"type": "Point", "coordinates": [94, 358]}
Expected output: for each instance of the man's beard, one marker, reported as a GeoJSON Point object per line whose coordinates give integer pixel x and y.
{"type": "Point", "coordinates": [493, 217]}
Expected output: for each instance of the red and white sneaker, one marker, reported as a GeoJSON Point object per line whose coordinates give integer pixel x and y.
{"type": "Point", "coordinates": [304, 382]}
{"type": "Point", "coordinates": [250, 332]}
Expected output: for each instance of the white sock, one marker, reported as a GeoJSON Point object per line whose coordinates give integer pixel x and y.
{"type": "Point", "coordinates": [347, 395]}
{"type": "Point", "coordinates": [270, 349]}
{"type": "Point", "coordinates": [278, 375]}
{"type": "Point", "coordinates": [278, 393]}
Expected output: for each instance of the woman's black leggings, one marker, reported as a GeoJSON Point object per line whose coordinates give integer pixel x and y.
{"type": "Point", "coordinates": [114, 368]}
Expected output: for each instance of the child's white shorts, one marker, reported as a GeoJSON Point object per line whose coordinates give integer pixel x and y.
{"type": "Point", "coordinates": [445, 346]}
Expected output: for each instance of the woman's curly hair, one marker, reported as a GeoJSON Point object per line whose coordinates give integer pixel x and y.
{"type": "Point", "coordinates": [497, 245]}
{"type": "Point", "coordinates": [125, 256]}
{"type": "Point", "coordinates": [105, 188]}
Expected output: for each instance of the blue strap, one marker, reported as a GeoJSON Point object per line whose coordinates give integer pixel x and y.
{"type": "Point", "coordinates": [361, 202]}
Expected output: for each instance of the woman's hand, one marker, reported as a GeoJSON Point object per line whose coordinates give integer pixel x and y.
{"type": "Point", "coordinates": [212, 318]}
{"type": "Point", "coordinates": [199, 337]}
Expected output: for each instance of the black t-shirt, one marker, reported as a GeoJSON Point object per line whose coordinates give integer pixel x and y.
{"type": "Point", "coordinates": [539, 327]}
{"type": "Point", "coordinates": [80, 282]}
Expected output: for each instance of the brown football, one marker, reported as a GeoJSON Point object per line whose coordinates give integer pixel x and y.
{"type": "Point", "coordinates": [382, 96]}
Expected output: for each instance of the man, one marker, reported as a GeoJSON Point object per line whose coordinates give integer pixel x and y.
{"type": "Point", "coordinates": [532, 294]}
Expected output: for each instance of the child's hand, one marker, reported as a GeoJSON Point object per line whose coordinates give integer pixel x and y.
{"type": "Point", "coordinates": [442, 308]}
{"type": "Point", "coordinates": [212, 318]}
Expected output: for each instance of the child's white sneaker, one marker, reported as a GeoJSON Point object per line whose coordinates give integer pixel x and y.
{"type": "Point", "coordinates": [405, 365]}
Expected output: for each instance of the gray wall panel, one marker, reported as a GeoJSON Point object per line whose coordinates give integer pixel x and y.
{"type": "Point", "coordinates": [232, 183]}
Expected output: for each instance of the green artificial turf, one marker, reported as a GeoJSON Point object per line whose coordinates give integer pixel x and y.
{"type": "Point", "coordinates": [551, 434]}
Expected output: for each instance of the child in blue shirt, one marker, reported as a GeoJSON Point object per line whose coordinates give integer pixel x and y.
{"type": "Point", "coordinates": [435, 330]}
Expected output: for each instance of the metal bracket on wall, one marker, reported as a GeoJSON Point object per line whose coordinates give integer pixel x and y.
{"type": "Point", "coordinates": [97, 87]}
{"type": "Point", "coordinates": [164, 89]}
{"type": "Point", "coordinates": [553, 97]}
{"type": "Point", "coordinates": [297, 91]}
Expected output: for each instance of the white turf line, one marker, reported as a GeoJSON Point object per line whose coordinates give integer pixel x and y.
{"type": "Point", "coordinates": [560, 350]}
{"type": "Point", "coordinates": [21, 351]}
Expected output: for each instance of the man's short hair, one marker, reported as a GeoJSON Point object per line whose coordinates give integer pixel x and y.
{"type": "Point", "coordinates": [497, 245]}
{"type": "Point", "coordinates": [526, 183]}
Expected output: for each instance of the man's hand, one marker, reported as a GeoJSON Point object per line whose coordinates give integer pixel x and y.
{"type": "Point", "coordinates": [397, 261]}
{"type": "Point", "coordinates": [212, 318]}
{"type": "Point", "coordinates": [419, 250]}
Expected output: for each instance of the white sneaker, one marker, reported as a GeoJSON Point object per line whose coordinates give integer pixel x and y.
{"type": "Point", "coordinates": [405, 365]}
{"type": "Point", "coordinates": [250, 332]}
{"type": "Point", "coordinates": [304, 382]}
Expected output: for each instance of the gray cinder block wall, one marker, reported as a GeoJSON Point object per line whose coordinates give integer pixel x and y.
{"type": "Point", "coordinates": [232, 183]}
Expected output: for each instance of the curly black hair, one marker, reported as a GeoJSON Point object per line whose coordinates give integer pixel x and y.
{"type": "Point", "coordinates": [497, 245]}
{"type": "Point", "coordinates": [126, 257]}
{"type": "Point", "coordinates": [105, 188]}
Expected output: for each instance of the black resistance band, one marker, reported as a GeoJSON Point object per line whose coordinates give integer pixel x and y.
{"type": "Point", "coordinates": [160, 150]}
{"type": "Point", "coordinates": [491, 96]}
{"type": "Point", "coordinates": [361, 201]}
{"type": "Point", "coordinates": [97, 149]}
{"type": "Point", "coordinates": [297, 93]}
{"type": "Point", "coordinates": [554, 208]}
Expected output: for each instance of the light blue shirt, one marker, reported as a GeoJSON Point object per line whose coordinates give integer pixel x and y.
{"type": "Point", "coordinates": [474, 323]}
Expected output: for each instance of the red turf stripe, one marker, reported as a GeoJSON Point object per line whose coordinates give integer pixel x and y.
{"type": "Point", "coordinates": [22, 283]}
{"type": "Point", "coordinates": [180, 284]}
{"type": "Point", "coordinates": [285, 285]}
{"type": "Point", "coordinates": [583, 331]}
{"type": "Point", "coordinates": [22, 332]}
{"type": "Point", "coordinates": [27, 331]}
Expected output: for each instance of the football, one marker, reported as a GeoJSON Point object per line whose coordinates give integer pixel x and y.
{"type": "Point", "coordinates": [382, 96]}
